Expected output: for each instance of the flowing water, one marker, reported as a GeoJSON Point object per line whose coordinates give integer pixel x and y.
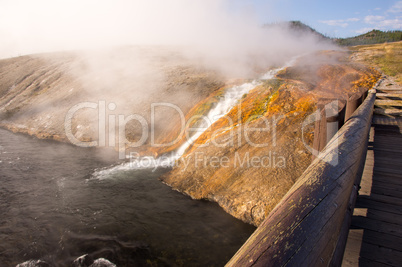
{"type": "Point", "coordinates": [226, 103]}
{"type": "Point", "coordinates": [58, 202]}
{"type": "Point", "coordinates": [53, 208]}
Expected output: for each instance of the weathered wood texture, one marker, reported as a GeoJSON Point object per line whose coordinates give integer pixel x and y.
{"type": "Point", "coordinates": [352, 104]}
{"type": "Point", "coordinates": [377, 220]}
{"type": "Point", "coordinates": [304, 228]}
{"type": "Point", "coordinates": [330, 117]}
{"type": "Point", "coordinates": [375, 236]}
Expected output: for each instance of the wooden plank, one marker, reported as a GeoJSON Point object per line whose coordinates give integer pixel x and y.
{"type": "Point", "coordinates": [386, 191]}
{"type": "Point", "coordinates": [381, 184]}
{"type": "Point", "coordinates": [371, 204]}
{"type": "Point", "coordinates": [381, 255]}
{"type": "Point", "coordinates": [377, 120]}
{"type": "Point", "coordinates": [388, 139]}
{"type": "Point", "coordinates": [384, 131]}
{"type": "Point", "coordinates": [387, 171]}
{"type": "Point", "coordinates": [387, 129]}
{"type": "Point", "coordinates": [386, 165]}
{"type": "Point", "coordinates": [385, 199]}
{"type": "Point", "coordinates": [390, 90]}
{"type": "Point", "coordinates": [394, 103]}
{"type": "Point", "coordinates": [388, 111]}
{"type": "Point", "coordinates": [392, 152]}
{"type": "Point", "coordinates": [352, 249]}
{"type": "Point", "coordinates": [396, 145]}
{"type": "Point", "coordinates": [359, 222]}
{"type": "Point", "coordinates": [383, 142]}
{"type": "Point", "coordinates": [384, 95]}
{"type": "Point", "coordinates": [371, 263]}
{"type": "Point", "coordinates": [381, 159]}
{"type": "Point", "coordinates": [378, 215]}
{"type": "Point", "coordinates": [388, 151]}
{"type": "Point", "coordinates": [365, 189]}
{"type": "Point", "coordinates": [389, 179]}
{"type": "Point", "coordinates": [382, 239]}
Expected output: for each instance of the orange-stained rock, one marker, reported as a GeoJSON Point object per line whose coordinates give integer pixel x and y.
{"type": "Point", "coordinates": [247, 180]}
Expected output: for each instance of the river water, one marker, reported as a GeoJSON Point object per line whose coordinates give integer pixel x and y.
{"type": "Point", "coordinates": [53, 208]}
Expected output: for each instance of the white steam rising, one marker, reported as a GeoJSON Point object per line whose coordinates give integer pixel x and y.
{"type": "Point", "coordinates": [221, 36]}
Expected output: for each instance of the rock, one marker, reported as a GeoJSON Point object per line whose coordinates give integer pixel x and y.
{"type": "Point", "coordinates": [102, 263]}
{"type": "Point", "coordinates": [34, 263]}
{"type": "Point", "coordinates": [248, 180]}
{"type": "Point", "coordinates": [83, 261]}
{"type": "Point", "coordinates": [87, 261]}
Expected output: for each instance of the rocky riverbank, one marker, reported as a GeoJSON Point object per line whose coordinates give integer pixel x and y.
{"type": "Point", "coordinates": [249, 159]}
{"type": "Point", "coordinates": [246, 161]}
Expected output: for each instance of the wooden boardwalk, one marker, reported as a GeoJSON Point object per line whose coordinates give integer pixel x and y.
{"type": "Point", "coordinates": [375, 236]}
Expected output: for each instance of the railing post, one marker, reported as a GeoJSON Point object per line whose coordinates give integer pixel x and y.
{"type": "Point", "coordinates": [320, 129]}
{"type": "Point", "coordinates": [335, 117]}
{"type": "Point", "coordinates": [352, 103]}
{"type": "Point", "coordinates": [329, 120]}
{"type": "Point", "coordinates": [364, 95]}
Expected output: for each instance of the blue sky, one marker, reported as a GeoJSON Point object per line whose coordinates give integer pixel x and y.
{"type": "Point", "coordinates": [341, 18]}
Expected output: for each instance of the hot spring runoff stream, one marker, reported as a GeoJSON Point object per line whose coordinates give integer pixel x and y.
{"type": "Point", "coordinates": [58, 202]}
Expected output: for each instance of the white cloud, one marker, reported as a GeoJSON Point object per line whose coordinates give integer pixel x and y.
{"type": "Point", "coordinates": [397, 8]}
{"type": "Point", "coordinates": [381, 22]}
{"type": "Point", "coordinates": [373, 19]}
{"type": "Point", "coordinates": [392, 23]}
{"type": "Point", "coordinates": [339, 22]}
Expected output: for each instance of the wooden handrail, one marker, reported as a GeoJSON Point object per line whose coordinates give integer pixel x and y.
{"type": "Point", "coordinates": [306, 227]}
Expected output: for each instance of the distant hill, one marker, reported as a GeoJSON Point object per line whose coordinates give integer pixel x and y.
{"type": "Point", "coordinates": [301, 27]}
{"type": "Point", "coordinates": [298, 28]}
{"type": "Point", "coordinates": [373, 37]}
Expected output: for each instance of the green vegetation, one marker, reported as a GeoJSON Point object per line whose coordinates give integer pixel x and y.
{"type": "Point", "coordinates": [387, 57]}
{"type": "Point", "coordinates": [373, 37]}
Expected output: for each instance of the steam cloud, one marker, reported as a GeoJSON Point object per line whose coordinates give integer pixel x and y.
{"type": "Point", "coordinates": [212, 31]}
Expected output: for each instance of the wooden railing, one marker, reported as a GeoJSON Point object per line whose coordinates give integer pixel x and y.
{"type": "Point", "coordinates": [309, 226]}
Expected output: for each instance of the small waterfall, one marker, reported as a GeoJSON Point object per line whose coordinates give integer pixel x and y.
{"type": "Point", "coordinates": [230, 98]}
{"type": "Point", "coordinates": [227, 102]}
